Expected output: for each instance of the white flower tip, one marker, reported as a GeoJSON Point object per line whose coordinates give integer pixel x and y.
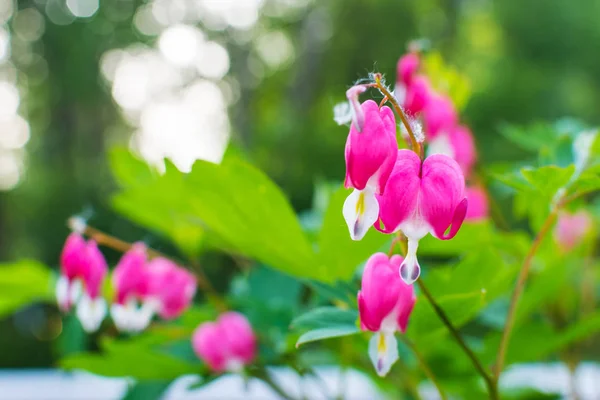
{"type": "Point", "coordinates": [77, 224]}
{"type": "Point", "coordinates": [360, 211]}
{"type": "Point", "coordinates": [91, 312]}
{"type": "Point", "coordinates": [383, 352]}
{"type": "Point", "coordinates": [410, 272]}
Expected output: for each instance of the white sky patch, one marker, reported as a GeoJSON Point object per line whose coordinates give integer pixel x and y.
{"type": "Point", "coordinates": [180, 44]}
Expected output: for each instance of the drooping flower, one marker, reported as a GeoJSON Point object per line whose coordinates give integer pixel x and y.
{"type": "Point", "coordinates": [421, 198]}
{"type": "Point", "coordinates": [134, 304]}
{"type": "Point", "coordinates": [439, 116]}
{"type": "Point", "coordinates": [571, 229]}
{"type": "Point", "coordinates": [83, 269]}
{"type": "Point", "coordinates": [385, 303]}
{"type": "Point", "coordinates": [227, 344]}
{"type": "Point", "coordinates": [457, 143]}
{"type": "Point", "coordinates": [174, 287]}
{"type": "Point", "coordinates": [417, 96]}
{"type": "Point", "coordinates": [407, 67]}
{"type": "Point", "coordinates": [478, 204]}
{"type": "Point", "coordinates": [370, 155]}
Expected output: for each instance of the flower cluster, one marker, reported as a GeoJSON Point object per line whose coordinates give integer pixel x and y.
{"type": "Point", "coordinates": [227, 344]}
{"type": "Point", "coordinates": [143, 288]}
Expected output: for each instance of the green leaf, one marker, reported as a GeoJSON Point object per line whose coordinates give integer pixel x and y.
{"type": "Point", "coordinates": [327, 333]}
{"type": "Point", "coordinates": [129, 170]}
{"type": "Point", "coordinates": [132, 359]}
{"type": "Point", "coordinates": [22, 283]}
{"type": "Point", "coordinates": [146, 391]}
{"type": "Point", "coordinates": [532, 137]}
{"type": "Point", "coordinates": [324, 317]}
{"type": "Point", "coordinates": [339, 255]}
{"type": "Point", "coordinates": [548, 179]}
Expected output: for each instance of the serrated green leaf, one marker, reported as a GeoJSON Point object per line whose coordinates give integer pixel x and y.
{"type": "Point", "coordinates": [327, 333]}
{"type": "Point", "coordinates": [324, 317]}
{"type": "Point", "coordinates": [548, 179]}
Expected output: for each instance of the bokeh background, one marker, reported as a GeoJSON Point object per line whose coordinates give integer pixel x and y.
{"type": "Point", "coordinates": [184, 78]}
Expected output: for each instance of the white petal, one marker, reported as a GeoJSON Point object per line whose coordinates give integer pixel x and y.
{"type": "Point", "coordinates": [383, 351]}
{"type": "Point", "coordinates": [130, 317]}
{"type": "Point", "coordinates": [441, 145]}
{"type": "Point", "coordinates": [410, 269]}
{"type": "Point", "coordinates": [91, 312]}
{"type": "Point", "coordinates": [75, 291]}
{"type": "Point", "coordinates": [360, 211]}
{"type": "Point", "coordinates": [400, 93]}
{"type": "Point", "coordinates": [342, 113]}
{"type": "Point", "coordinates": [62, 293]}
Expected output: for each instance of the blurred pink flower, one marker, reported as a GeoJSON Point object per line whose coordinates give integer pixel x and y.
{"type": "Point", "coordinates": [385, 303]}
{"type": "Point", "coordinates": [571, 229]}
{"type": "Point", "coordinates": [439, 116]}
{"type": "Point", "coordinates": [478, 204]}
{"type": "Point", "coordinates": [83, 269]}
{"type": "Point", "coordinates": [421, 198]}
{"type": "Point", "coordinates": [227, 344]}
{"type": "Point", "coordinates": [458, 144]}
{"type": "Point", "coordinates": [370, 154]}
{"type": "Point", "coordinates": [173, 286]}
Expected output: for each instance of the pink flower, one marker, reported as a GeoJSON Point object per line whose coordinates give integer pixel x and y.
{"type": "Point", "coordinates": [370, 156]}
{"type": "Point", "coordinates": [420, 198]}
{"type": "Point", "coordinates": [227, 344]}
{"type": "Point", "coordinates": [439, 116]}
{"type": "Point", "coordinates": [134, 304]}
{"type": "Point", "coordinates": [173, 286]}
{"type": "Point", "coordinates": [417, 96]}
{"type": "Point", "coordinates": [83, 269]}
{"type": "Point", "coordinates": [407, 68]}
{"type": "Point", "coordinates": [478, 204]}
{"type": "Point", "coordinates": [571, 229]}
{"type": "Point", "coordinates": [385, 303]}
{"type": "Point", "coordinates": [458, 143]}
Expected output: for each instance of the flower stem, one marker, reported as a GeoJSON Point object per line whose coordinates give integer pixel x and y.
{"type": "Point", "coordinates": [519, 286]}
{"type": "Point", "coordinates": [416, 146]}
{"type": "Point", "coordinates": [424, 366]}
{"type": "Point", "coordinates": [490, 383]}
{"type": "Point", "coordinates": [107, 240]}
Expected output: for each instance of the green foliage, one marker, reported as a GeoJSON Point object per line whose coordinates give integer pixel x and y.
{"type": "Point", "coordinates": [132, 358]}
{"type": "Point", "coordinates": [22, 283]}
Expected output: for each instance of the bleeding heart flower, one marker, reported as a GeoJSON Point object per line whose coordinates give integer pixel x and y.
{"type": "Point", "coordinates": [407, 67]}
{"type": "Point", "coordinates": [370, 156]}
{"type": "Point", "coordinates": [227, 344]}
{"type": "Point", "coordinates": [134, 304]}
{"type": "Point", "coordinates": [385, 303]}
{"type": "Point", "coordinates": [83, 269]}
{"type": "Point", "coordinates": [174, 287]}
{"type": "Point", "coordinates": [417, 96]}
{"type": "Point", "coordinates": [420, 198]}
{"type": "Point", "coordinates": [439, 116]}
{"type": "Point", "coordinates": [571, 229]}
{"type": "Point", "coordinates": [478, 204]}
{"type": "Point", "coordinates": [458, 143]}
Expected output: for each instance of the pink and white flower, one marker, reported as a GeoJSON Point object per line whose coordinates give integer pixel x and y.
{"type": "Point", "coordinates": [439, 116]}
{"type": "Point", "coordinates": [421, 198]}
{"type": "Point", "coordinates": [83, 269]}
{"type": "Point", "coordinates": [227, 344]}
{"type": "Point", "coordinates": [385, 303]}
{"type": "Point", "coordinates": [370, 155]}
{"type": "Point", "coordinates": [145, 288]}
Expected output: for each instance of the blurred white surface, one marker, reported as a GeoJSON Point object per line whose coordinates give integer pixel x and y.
{"type": "Point", "coordinates": [58, 385]}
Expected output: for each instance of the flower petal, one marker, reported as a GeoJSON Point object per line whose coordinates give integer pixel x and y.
{"type": "Point", "coordinates": [410, 268]}
{"type": "Point", "coordinates": [360, 211]}
{"type": "Point", "coordinates": [442, 195]}
{"type": "Point", "coordinates": [91, 312]}
{"type": "Point", "coordinates": [399, 201]}
{"type": "Point", "coordinates": [383, 352]}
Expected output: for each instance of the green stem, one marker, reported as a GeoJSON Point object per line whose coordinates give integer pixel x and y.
{"type": "Point", "coordinates": [416, 146]}
{"type": "Point", "coordinates": [424, 366]}
{"type": "Point", "coordinates": [519, 286]}
{"type": "Point", "coordinates": [490, 383]}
